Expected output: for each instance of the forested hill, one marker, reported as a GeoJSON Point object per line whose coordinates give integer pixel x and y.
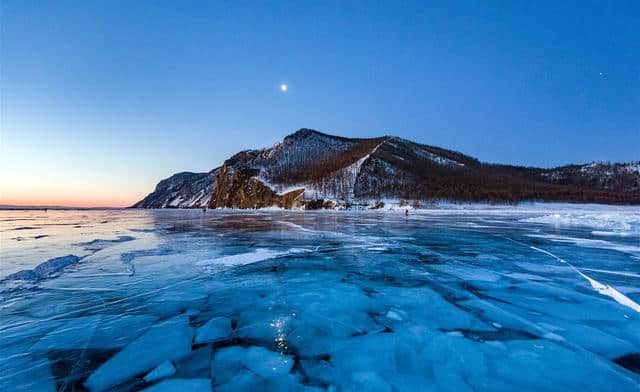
{"type": "Point", "coordinates": [313, 169]}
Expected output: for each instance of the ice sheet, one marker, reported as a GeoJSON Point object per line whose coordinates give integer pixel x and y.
{"type": "Point", "coordinates": [465, 297]}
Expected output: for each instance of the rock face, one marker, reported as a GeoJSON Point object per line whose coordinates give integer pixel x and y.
{"type": "Point", "coordinates": [184, 189]}
{"type": "Point", "coordinates": [237, 188]}
{"type": "Point", "coordinates": [310, 168]}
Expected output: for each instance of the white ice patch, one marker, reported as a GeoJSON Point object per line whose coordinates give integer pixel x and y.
{"type": "Point", "coordinates": [613, 221]}
{"type": "Point", "coordinates": [599, 287]}
{"type": "Point", "coordinates": [257, 255]}
{"type": "Point", "coordinates": [590, 243]}
{"type": "Point", "coordinates": [620, 273]}
{"type": "Point", "coordinates": [611, 233]}
{"type": "Point", "coordinates": [609, 291]}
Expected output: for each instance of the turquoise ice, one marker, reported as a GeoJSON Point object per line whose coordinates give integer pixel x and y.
{"type": "Point", "coordinates": [535, 297]}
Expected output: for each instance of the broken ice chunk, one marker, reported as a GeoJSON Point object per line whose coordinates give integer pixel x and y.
{"type": "Point", "coordinates": [503, 318]}
{"type": "Point", "coordinates": [456, 362]}
{"type": "Point", "coordinates": [196, 364]}
{"type": "Point", "coordinates": [165, 369]}
{"type": "Point", "coordinates": [264, 325]}
{"type": "Point", "coordinates": [396, 314]}
{"type": "Point", "coordinates": [182, 384]}
{"type": "Point", "coordinates": [318, 370]}
{"type": "Point", "coordinates": [226, 363]}
{"type": "Point", "coordinates": [368, 381]}
{"type": "Point", "coordinates": [384, 352]}
{"type": "Point", "coordinates": [173, 302]}
{"type": "Point", "coordinates": [46, 269]}
{"type": "Point", "coordinates": [593, 339]}
{"type": "Point", "coordinates": [539, 364]}
{"type": "Point", "coordinates": [244, 380]}
{"type": "Point", "coordinates": [100, 244]}
{"type": "Point", "coordinates": [166, 341]}
{"type": "Point", "coordinates": [267, 363]}
{"type": "Point", "coordinates": [215, 329]}
{"type": "Point", "coordinates": [23, 275]}
{"type": "Point", "coordinates": [52, 266]}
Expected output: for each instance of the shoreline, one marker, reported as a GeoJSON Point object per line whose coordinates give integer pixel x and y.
{"type": "Point", "coordinates": [388, 207]}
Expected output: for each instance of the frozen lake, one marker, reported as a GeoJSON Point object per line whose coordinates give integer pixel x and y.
{"type": "Point", "coordinates": [506, 298]}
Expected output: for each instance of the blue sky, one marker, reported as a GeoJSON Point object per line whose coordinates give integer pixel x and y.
{"type": "Point", "coordinates": [102, 99]}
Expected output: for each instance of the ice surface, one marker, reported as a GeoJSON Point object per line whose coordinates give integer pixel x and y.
{"type": "Point", "coordinates": [45, 269]}
{"type": "Point", "coordinates": [94, 332]}
{"type": "Point", "coordinates": [259, 360]}
{"type": "Point", "coordinates": [243, 258]}
{"type": "Point", "coordinates": [368, 381]}
{"type": "Point", "coordinates": [165, 369]}
{"type": "Point", "coordinates": [96, 245]}
{"type": "Point", "coordinates": [604, 219]}
{"type": "Point", "coordinates": [590, 243]}
{"type": "Point", "coordinates": [243, 380]}
{"type": "Point", "coordinates": [168, 340]}
{"type": "Point", "coordinates": [177, 384]}
{"type": "Point", "coordinates": [215, 329]}
{"type": "Point", "coordinates": [227, 363]}
{"type": "Point", "coordinates": [195, 364]}
{"type": "Point", "coordinates": [267, 363]}
{"type": "Point", "coordinates": [465, 297]}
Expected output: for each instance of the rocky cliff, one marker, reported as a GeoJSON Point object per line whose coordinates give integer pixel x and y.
{"type": "Point", "coordinates": [181, 190]}
{"type": "Point", "coordinates": [310, 168]}
{"type": "Point", "coordinates": [237, 187]}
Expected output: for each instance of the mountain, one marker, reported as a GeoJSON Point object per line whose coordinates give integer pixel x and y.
{"type": "Point", "coordinates": [181, 190]}
{"type": "Point", "coordinates": [313, 169]}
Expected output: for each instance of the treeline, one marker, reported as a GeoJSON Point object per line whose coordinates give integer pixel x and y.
{"type": "Point", "coordinates": [426, 180]}
{"type": "Point", "coordinates": [404, 169]}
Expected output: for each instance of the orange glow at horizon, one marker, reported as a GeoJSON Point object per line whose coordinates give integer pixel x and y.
{"type": "Point", "coordinates": [69, 203]}
{"type": "Point", "coordinates": [71, 188]}
{"type": "Point", "coordinates": [80, 201]}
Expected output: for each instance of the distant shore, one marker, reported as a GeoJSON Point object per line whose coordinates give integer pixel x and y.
{"type": "Point", "coordinates": [426, 206]}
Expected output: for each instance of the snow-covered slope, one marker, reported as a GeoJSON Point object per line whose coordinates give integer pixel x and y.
{"type": "Point", "coordinates": [334, 168]}
{"type": "Point", "coordinates": [313, 166]}
{"type": "Point", "coordinates": [182, 190]}
{"type": "Point", "coordinates": [614, 176]}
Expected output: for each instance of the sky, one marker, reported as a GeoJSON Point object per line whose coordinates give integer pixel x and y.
{"type": "Point", "coordinates": [100, 100]}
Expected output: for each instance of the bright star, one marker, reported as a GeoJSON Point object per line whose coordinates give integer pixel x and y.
{"type": "Point", "coordinates": [283, 87]}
